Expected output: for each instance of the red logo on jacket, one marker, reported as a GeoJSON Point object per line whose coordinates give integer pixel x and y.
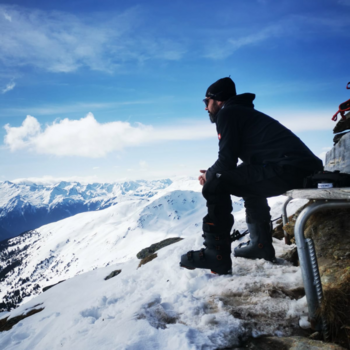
{"type": "Point", "coordinates": [219, 136]}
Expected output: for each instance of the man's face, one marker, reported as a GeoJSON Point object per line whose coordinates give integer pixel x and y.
{"type": "Point", "coordinates": [212, 108]}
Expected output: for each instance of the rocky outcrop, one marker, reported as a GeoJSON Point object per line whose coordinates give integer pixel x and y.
{"type": "Point", "coordinates": [6, 324]}
{"type": "Point", "coordinates": [330, 231]}
{"type": "Point", "coordinates": [343, 124]}
{"type": "Point", "coordinates": [147, 259]}
{"type": "Point", "coordinates": [144, 253]}
{"type": "Point", "coordinates": [113, 274]}
{"type": "Point", "coordinates": [290, 343]}
{"type": "Point", "coordinates": [338, 157]}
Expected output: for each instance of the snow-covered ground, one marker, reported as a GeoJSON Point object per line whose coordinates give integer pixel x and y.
{"type": "Point", "coordinates": [156, 306]}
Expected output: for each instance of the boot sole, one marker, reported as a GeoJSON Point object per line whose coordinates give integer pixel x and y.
{"type": "Point", "coordinates": [186, 267]}
{"type": "Point", "coordinates": [229, 272]}
{"type": "Point", "coordinates": [274, 260]}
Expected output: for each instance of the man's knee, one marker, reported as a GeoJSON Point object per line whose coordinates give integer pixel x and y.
{"type": "Point", "coordinates": [213, 187]}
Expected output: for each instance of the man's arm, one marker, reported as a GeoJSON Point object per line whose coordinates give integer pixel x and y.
{"type": "Point", "coordinates": [229, 143]}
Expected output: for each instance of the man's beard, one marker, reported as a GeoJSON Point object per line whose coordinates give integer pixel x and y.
{"type": "Point", "coordinates": [213, 113]}
{"type": "Point", "coordinates": [212, 117]}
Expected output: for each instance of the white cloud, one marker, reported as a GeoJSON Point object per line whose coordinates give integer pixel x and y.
{"type": "Point", "coordinates": [7, 17]}
{"type": "Point", "coordinates": [286, 27]}
{"type": "Point", "coordinates": [242, 39]}
{"type": "Point", "coordinates": [262, 35]}
{"type": "Point", "coordinates": [298, 121]}
{"type": "Point", "coordinates": [61, 42]}
{"type": "Point", "coordinates": [8, 87]}
{"type": "Point", "coordinates": [87, 137]}
{"type": "Point", "coordinates": [21, 137]}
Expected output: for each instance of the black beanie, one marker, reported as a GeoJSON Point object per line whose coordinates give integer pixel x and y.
{"type": "Point", "coordinates": [222, 90]}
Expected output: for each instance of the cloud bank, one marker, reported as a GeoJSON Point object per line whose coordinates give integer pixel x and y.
{"type": "Point", "coordinates": [87, 137]}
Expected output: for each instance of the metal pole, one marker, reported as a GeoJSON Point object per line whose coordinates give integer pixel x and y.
{"type": "Point", "coordinates": [285, 219]}
{"type": "Point", "coordinates": [310, 274]}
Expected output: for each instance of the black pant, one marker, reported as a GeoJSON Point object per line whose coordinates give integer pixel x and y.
{"type": "Point", "coordinates": [254, 183]}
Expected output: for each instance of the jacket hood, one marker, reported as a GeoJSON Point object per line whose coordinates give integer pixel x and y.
{"type": "Point", "coordinates": [245, 99]}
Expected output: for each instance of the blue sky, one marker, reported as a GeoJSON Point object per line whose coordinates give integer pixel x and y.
{"type": "Point", "coordinates": [113, 90]}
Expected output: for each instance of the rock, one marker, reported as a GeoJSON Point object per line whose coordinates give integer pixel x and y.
{"type": "Point", "coordinates": [6, 324]}
{"type": "Point", "coordinates": [147, 259]}
{"type": "Point", "coordinates": [113, 274]}
{"type": "Point", "coordinates": [337, 158]}
{"type": "Point", "coordinates": [278, 231]}
{"type": "Point", "coordinates": [291, 256]}
{"type": "Point", "coordinates": [337, 137]}
{"type": "Point", "coordinates": [330, 232]}
{"type": "Point", "coordinates": [52, 285]}
{"type": "Point", "coordinates": [343, 124]}
{"type": "Point", "coordinates": [287, 343]}
{"type": "Point", "coordinates": [156, 246]}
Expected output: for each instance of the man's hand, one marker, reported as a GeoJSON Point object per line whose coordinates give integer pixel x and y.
{"type": "Point", "coordinates": [202, 178]}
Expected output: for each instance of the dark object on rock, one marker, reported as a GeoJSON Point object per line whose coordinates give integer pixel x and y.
{"type": "Point", "coordinates": [322, 178]}
{"type": "Point", "coordinates": [52, 285]}
{"type": "Point", "coordinates": [156, 246]}
{"type": "Point", "coordinates": [291, 256]}
{"type": "Point", "coordinates": [337, 137]}
{"type": "Point", "coordinates": [236, 235]}
{"type": "Point", "coordinates": [6, 324]}
{"type": "Point", "coordinates": [147, 259]}
{"type": "Point", "coordinates": [343, 124]}
{"type": "Point", "coordinates": [113, 274]}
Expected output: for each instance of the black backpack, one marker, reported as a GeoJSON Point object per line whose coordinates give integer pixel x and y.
{"type": "Point", "coordinates": [327, 179]}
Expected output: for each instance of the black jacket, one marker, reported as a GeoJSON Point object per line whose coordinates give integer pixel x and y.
{"type": "Point", "coordinates": [256, 138]}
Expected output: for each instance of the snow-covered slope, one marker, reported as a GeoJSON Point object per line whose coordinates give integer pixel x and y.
{"type": "Point", "coordinates": [156, 306]}
{"type": "Point", "coordinates": [25, 205]}
{"type": "Point", "coordinates": [160, 306]}
{"type": "Point", "coordinates": [90, 240]}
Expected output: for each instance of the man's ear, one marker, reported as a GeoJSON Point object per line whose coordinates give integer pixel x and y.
{"type": "Point", "coordinates": [220, 103]}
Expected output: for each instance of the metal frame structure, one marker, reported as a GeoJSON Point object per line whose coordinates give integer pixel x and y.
{"type": "Point", "coordinates": [323, 199]}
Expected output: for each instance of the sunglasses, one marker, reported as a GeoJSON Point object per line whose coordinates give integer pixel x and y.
{"type": "Point", "coordinates": [206, 100]}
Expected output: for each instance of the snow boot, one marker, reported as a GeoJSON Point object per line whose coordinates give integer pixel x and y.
{"type": "Point", "coordinates": [260, 244]}
{"type": "Point", "coordinates": [216, 255]}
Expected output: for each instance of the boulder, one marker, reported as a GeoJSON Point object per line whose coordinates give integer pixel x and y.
{"type": "Point", "coordinates": [338, 157]}
{"type": "Point", "coordinates": [156, 246]}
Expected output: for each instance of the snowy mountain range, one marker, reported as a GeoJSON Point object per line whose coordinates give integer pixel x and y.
{"type": "Point", "coordinates": [25, 205]}
{"type": "Point", "coordinates": [155, 306]}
